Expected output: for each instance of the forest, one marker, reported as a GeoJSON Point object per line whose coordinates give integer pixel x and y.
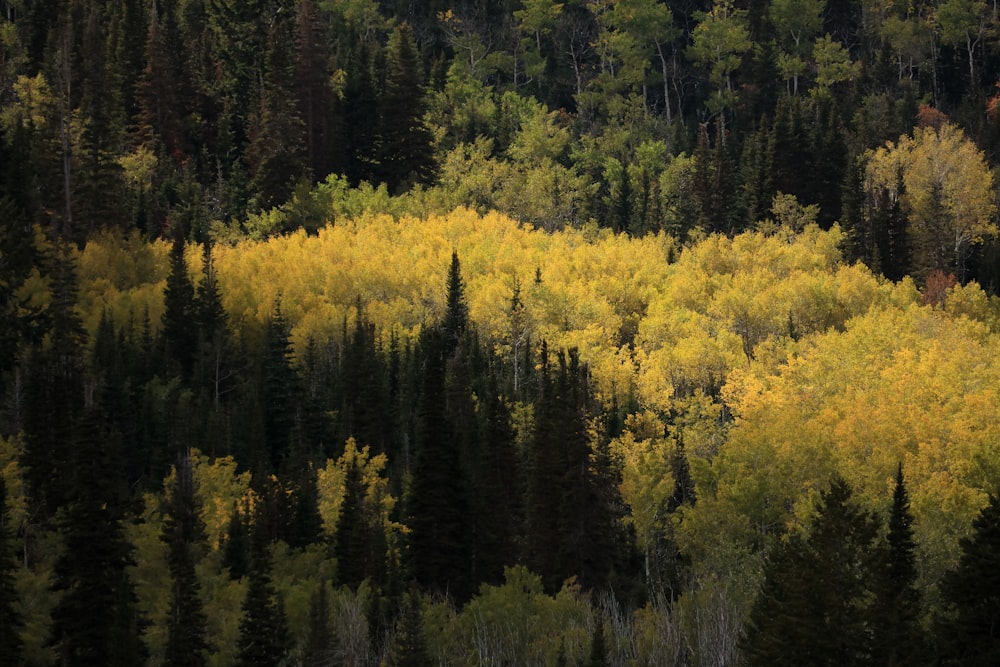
{"type": "Point", "coordinates": [499, 332]}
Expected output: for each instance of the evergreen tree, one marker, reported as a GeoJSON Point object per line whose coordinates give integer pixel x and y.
{"type": "Point", "coordinates": [812, 608]}
{"type": "Point", "coordinates": [264, 635]}
{"type": "Point", "coordinates": [897, 638]}
{"type": "Point", "coordinates": [320, 648]}
{"type": "Point", "coordinates": [280, 388]}
{"type": "Point", "coordinates": [352, 540]}
{"type": "Point", "coordinates": [405, 144]}
{"type": "Point", "coordinates": [96, 621]}
{"type": "Point", "coordinates": [436, 499]}
{"type": "Point", "coordinates": [179, 313]}
{"type": "Point", "coordinates": [969, 630]}
{"type": "Point", "coordinates": [54, 391]}
{"type": "Point", "coordinates": [11, 622]}
{"type": "Point", "coordinates": [184, 532]}
{"type": "Point", "coordinates": [456, 318]}
{"type": "Point", "coordinates": [409, 648]}
{"type": "Point", "coordinates": [212, 324]}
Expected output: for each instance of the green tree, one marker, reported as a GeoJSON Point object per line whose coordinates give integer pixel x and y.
{"type": "Point", "coordinates": [436, 502]}
{"type": "Point", "coordinates": [718, 44]}
{"type": "Point", "coordinates": [179, 336]}
{"type": "Point", "coordinates": [184, 533]}
{"type": "Point", "coordinates": [969, 630]}
{"type": "Point", "coordinates": [264, 635]}
{"type": "Point", "coordinates": [11, 622]}
{"type": "Point", "coordinates": [897, 638]}
{"type": "Point", "coordinates": [96, 621]}
{"type": "Point", "coordinates": [812, 606]}
{"type": "Point", "coordinates": [409, 648]}
{"type": "Point", "coordinates": [405, 149]}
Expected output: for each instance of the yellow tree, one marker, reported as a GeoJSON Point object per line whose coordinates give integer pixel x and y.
{"type": "Point", "coordinates": [944, 186]}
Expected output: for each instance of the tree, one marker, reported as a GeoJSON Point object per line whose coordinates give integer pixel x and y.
{"type": "Point", "coordinates": [96, 620]}
{"type": "Point", "coordinates": [945, 188]}
{"type": "Point", "coordinates": [409, 649]}
{"type": "Point", "coordinates": [280, 388]}
{"type": "Point", "coordinates": [264, 636]}
{"type": "Point", "coordinates": [405, 150]}
{"type": "Point", "coordinates": [456, 318]}
{"type": "Point", "coordinates": [796, 22]}
{"type": "Point", "coordinates": [436, 499]}
{"type": "Point", "coordinates": [11, 622]}
{"type": "Point", "coordinates": [718, 43]}
{"type": "Point", "coordinates": [969, 630]}
{"type": "Point", "coordinates": [184, 531]}
{"type": "Point", "coordinates": [179, 336]}
{"type": "Point", "coordinates": [812, 606]}
{"type": "Point", "coordinates": [897, 638]}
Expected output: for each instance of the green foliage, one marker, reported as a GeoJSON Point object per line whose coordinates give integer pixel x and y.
{"type": "Point", "coordinates": [967, 629]}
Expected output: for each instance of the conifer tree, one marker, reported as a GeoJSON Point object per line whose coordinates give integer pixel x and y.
{"type": "Point", "coordinates": [212, 325]}
{"type": "Point", "coordinates": [179, 336]}
{"type": "Point", "coordinates": [436, 500]}
{"type": "Point", "coordinates": [54, 392]}
{"type": "Point", "coordinates": [280, 388]}
{"type": "Point", "coordinates": [405, 144]}
{"type": "Point", "coordinates": [456, 318]}
{"type": "Point", "coordinates": [812, 608]}
{"type": "Point", "coordinates": [184, 532]}
{"type": "Point", "coordinates": [264, 639]}
{"type": "Point", "coordinates": [897, 638]}
{"type": "Point", "coordinates": [969, 630]}
{"type": "Point", "coordinates": [409, 649]}
{"type": "Point", "coordinates": [351, 537]}
{"type": "Point", "coordinates": [320, 648]}
{"type": "Point", "coordinates": [96, 620]}
{"type": "Point", "coordinates": [11, 622]}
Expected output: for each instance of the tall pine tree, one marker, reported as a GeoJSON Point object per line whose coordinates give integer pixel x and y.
{"type": "Point", "coordinates": [969, 630]}
{"type": "Point", "coordinates": [184, 532]}
{"type": "Point", "coordinates": [897, 638]}
{"type": "Point", "coordinates": [812, 609]}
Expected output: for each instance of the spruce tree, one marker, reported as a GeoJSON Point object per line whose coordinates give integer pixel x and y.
{"type": "Point", "coordinates": [405, 144]}
{"type": "Point", "coordinates": [264, 639]}
{"type": "Point", "coordinates": [456, 318]}
{"type": "Point", "coordinates": [598, 647]}
{"type": "Point", "coordinates": [212, 324]}
{"type": "Point", "coordinates": [969, 630]}
{"type": "Point", "coordinates": [280, 388]}
{"type": "Point", "coordinates": [184, 532]}
{"type": "Point", "coordinates": [436, 500]}
{"type": "Point", "coordinates": [96, 621]}
{"type": "Point", "coordinates": [179, 336]}
{"type": "Point", "coordinates": [11, 622]}
{"type": "Point", "coordinates": [320, 648]}
{"type": "Point", "coordinates": [897, 638]}
{"type": "Point", "coordinates": [409, 648]}
{"type": "Point", "coordinates": [812, 608]}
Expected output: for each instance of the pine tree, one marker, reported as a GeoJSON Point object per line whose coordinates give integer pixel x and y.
{"type": "Point", "coordinates": [280, 388]}
{"type": "Point", "coordinates": [812, 608]}
{"type": "Point", "coordinates": [183, 531]}
{"type": "Point", "coordinates": [96, 621]}
{"type": "Point", "coordinates": [456, 318]}
{"type": "Point", "coordinates": [179, 311]}
{"type": "Point", "coordinates": [212, 324]}
{"type": "Point", "coordinates": [409, 648]}
{"type": "Point", "coordinates": [264, 639]}
{"type": "Point", "coordinates": [897, 638]}
{"type": "Point", "coordinates": [405, 144]}
{"type": "Point", "coordinates": [969, 630]}
{"type": "Point", "coordinates": [11, 622]}
{"type": "Point", "coordinates": [351, 537]}
{"type": "Point", "coordinates": [320, 648]}
{"type": "Point", "coordinates": [436, 500]}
